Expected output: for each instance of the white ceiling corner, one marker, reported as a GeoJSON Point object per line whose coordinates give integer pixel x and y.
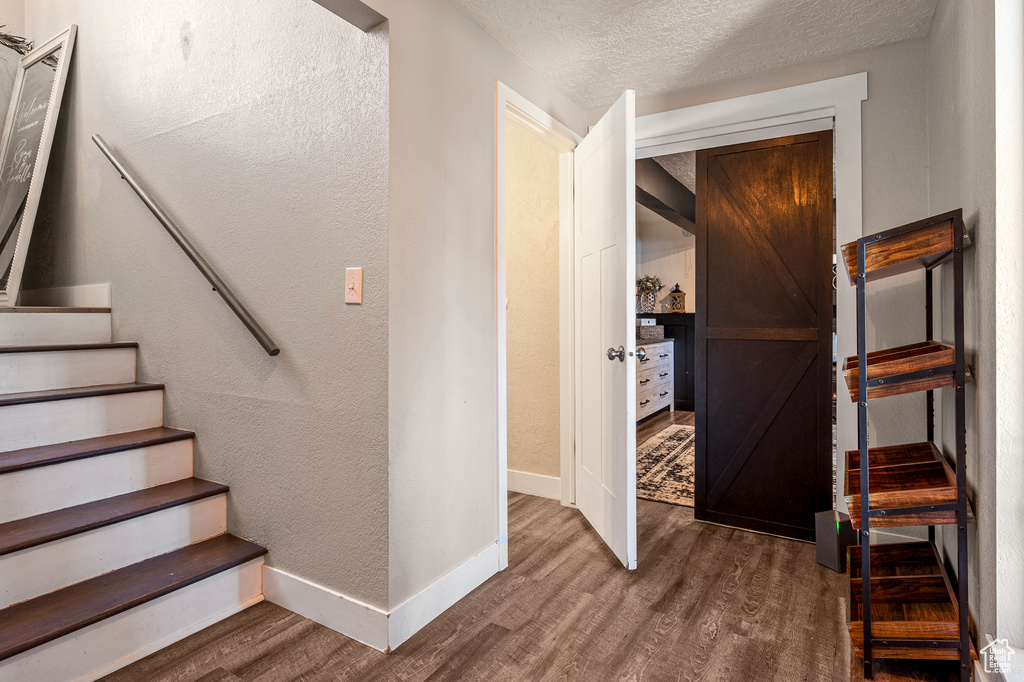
{"type": "Point", "coordinates": [592, 50]}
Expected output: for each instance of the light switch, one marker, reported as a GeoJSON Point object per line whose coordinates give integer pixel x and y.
{"type": "Point", "coordinates": [353, 285]}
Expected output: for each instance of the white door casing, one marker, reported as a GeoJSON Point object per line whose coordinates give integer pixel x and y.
{"type": "Point", "coordinates": [605, 273]}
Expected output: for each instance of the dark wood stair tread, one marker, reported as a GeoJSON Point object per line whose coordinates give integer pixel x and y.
{"type": "Point", "coordinates": [43, 455]}
{"type": "Point", "coordinates": [902, 476]}
{"type": "Point", "coordinates": [36, 530]}
{"type": "Point", "coordinates": [911, 598]}
{"type": "Point", "coordinates": [49, 309]}
{"type": "Point", "coordinates": [66, 347]}
{"type": "Point", "coordinates": [921, 244]}
{"type": "Point", "coordinates": [45, 618]}
{"type": "Point", "coordinates": [9, 399]}
{"type": "Point", "coordinates": [898, 369]}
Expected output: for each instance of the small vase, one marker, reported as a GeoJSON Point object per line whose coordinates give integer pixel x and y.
{"type": "Point", "coordinates": [645, 302]}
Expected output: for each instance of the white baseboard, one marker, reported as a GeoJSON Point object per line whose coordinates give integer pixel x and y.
{"type": "Point", "coordinates": [370, 625]}
{"type": "Point", "coordinates": [80, 296]}
{"type": "Point", "coordinates": [350, 617]}
{"type": "Point", "coordinates": [1015, 673]}
{"type": "Point", "coordinates": [535, 484]}
{"type": "Point", "coordinates": [413, 614]}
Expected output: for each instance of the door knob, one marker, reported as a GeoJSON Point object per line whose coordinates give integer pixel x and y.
{"type": "Point", "coordinates": [641, 354]}
{"type": "Point", "coordinates": [620, 354]}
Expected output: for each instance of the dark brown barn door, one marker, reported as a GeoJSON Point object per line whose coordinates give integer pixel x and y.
{"type": "Point", "coordinates": [764, 325]}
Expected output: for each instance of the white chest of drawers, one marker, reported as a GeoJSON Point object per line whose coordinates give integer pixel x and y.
{"type": "Point", "coordinates": [655, 385]}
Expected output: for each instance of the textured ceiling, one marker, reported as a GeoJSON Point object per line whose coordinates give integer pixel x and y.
{"type": "Point", "coordinates": [592, 50]}
{"type": "Point", "coordinates": [682, 166]}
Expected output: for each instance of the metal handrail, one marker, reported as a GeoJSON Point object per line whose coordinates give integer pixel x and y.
{"type": "Point", "coordinates": [218, 284]}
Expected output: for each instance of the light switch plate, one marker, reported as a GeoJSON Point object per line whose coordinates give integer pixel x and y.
{"type": "Point", "coordinates": [353, 285]}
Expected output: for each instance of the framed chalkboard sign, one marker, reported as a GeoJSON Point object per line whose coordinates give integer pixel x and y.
{"type": "Point", "coordinates": [25, 150]}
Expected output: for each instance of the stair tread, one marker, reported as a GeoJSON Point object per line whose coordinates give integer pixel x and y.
{"type": "Point", "coordinates": [49, 309]}
{"type": "Point", "coordinates": [45, 618]}
{"type": "Point", "coordinates": [36, 530]}
{"type": "Point", "coordinates": [66, 347]}
{"type": "Point", "coordinates": [9, 399]}
{"type": "Point", "coordinates": [43, 455]}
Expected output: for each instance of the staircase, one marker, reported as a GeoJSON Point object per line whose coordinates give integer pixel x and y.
{"type": "Point", "coordinates": [109, 548]}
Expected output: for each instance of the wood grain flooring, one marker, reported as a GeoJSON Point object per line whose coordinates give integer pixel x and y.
{"type": "Point", "coordinates": [659, 422]}
{"type": "Point", "coordinates": [706, 603]}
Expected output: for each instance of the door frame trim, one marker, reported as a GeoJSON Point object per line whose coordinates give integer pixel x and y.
{"type": "Point", "coordinates": [513, 108]}
{"type": "Point", "coordinates": [811, 107]}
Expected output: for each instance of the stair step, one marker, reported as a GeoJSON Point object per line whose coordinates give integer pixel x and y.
{"type": "Point", "coordinates": [46, 618]}
{"type": "Point", "coordinates": [29, 397]}
{"type": "Point", "coordinates": [56, 348]}
{"type": "Point", "coordinates": [30, 326]}
{"type": "Point", "coordinates": [52, 367]}
{"type": "Point", "coordinates": [36, 530]}
{"type": "Point", "coordinates": [37, 418]}
{"type": "Point", "coordinates": [43, 455]}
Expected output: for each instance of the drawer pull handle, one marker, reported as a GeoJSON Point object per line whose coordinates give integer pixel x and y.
{"type": "Point", "coordinates": [663, 355]}
{"type": "Point", "coordinates": [663, 374]}
{"type": "Point", "coordinates": [644, 382]}
{"type": "Point", "coordinates": [644, 402]}
{"type": "Point", "coordinates": [663, 394]}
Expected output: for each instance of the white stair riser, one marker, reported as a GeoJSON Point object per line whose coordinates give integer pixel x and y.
{"type": "Point", "coordinates": [88, 653]}
{"type": "Point", "coordinates": [38, 329]}
{"type": "Point", "coordinates": [45, 568]}
{"type": "Point", "coordinates": [46, 371]}
{"type": "Point", "coordinates": [48, 488]}
{"type": "Point", "coordinates": [59, 421]}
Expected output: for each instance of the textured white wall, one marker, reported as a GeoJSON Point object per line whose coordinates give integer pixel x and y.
{"type": "Point", "coordinates": [442, 428]}
{"type": "Point", "coordinates": [665, 250]}
{"type": "Point", "coordinates": [975, 74]}
{"type": "Point", "coordinates": [262, 127]}
{"type": "Point", "coordinates": [1009, 271]}
{"type": "Point", "coordinates": [531, 257]}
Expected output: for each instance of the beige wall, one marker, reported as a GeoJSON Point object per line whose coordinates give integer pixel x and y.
{"type": "Point", "coordinates": [12, 16]}
{"type": "Point", "coordinates": [442, 428]}
{"type": "Point", "coordinates": [666, 250]}
{"type": "Point", "coordinates": [262, 127]}
{"type": "Point", "coordinates": [531, 257]}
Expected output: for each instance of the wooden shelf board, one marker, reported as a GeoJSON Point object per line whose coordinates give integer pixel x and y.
{"type": "Point", "coordinates": [915, 246]}
{"type": "Point", "coordinates": [911, 598]}
{"type": "Point", "coordinates": [902, 476]}
{"type": "Point", "coordinates": [895, 365]}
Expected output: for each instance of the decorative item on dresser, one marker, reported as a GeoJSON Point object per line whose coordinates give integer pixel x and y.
{"type": "Point", "coordinates": [903, 602]}
{"type": "Point", "coordinates": [647, 288]}
{"type": "Point", "coordinates": [655, 383]}
{"type": "Point", "coordinates": [677, 303]}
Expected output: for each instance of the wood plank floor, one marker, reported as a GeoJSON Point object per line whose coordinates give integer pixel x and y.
{"type": "Point", "coordinates": [706, 603]}
{"type": "Point", "coordinates": [661, 421]}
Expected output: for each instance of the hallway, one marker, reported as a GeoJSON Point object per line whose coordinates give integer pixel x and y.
{"type": "Point", "coordinates": [706, 603]}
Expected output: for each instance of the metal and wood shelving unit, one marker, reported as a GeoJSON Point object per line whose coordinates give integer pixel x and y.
{"type": "Point", "coordinates": [903, 603]}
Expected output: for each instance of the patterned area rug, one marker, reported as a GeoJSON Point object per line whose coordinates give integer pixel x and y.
{"type": "Point", "coordinates": [664, 466]}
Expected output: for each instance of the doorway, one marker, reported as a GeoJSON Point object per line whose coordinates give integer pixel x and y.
{"type": "Point", "coordinates": [755, 257]}
{"type": "Point", "coordinates": [666, 278]}
{"type": "Point", "coordinates": [533, 300]}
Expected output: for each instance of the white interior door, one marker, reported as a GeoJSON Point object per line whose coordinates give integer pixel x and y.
{"type": "Point", "coordinates": [605, 372]}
